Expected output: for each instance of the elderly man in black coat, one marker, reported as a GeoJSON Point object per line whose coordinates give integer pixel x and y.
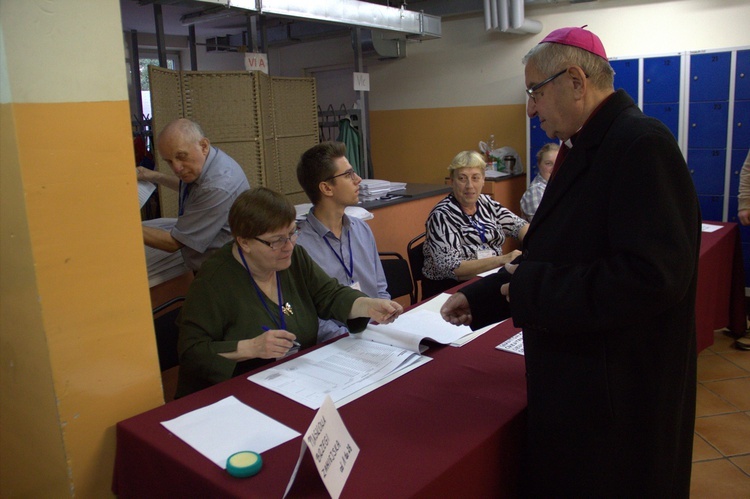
{"type": "Point", "coordinates": [605, 289]}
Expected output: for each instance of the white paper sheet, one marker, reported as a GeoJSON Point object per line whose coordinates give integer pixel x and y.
{"type": "Point", "coordinates": [339, 369]}
{"type": "Point", "coordinates": [434, 304]}
{"type": "Point", "coordinates": [144, 191]}
{"type": "Point", "coordinates": [219, 430]}
{"type": "Point", "coordinates": [514, 344]}
{"type": "Point", "coordinates": [409, 329]}
{"type": "Point", "coordinates": [710, 227]}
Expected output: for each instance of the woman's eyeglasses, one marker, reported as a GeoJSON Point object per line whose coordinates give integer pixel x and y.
{"type": "Point", "coordinates": [277, 244]}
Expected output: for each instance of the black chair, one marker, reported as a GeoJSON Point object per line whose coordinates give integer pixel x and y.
{"type": "Point", "coordinates": [167, 332]}
{"type": "Point", "coordinates": [416, 260]}
{"type": "Point", "coordinates": [397, 276]}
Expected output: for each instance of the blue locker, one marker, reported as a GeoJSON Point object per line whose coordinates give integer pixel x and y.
{"type": "Point", "coordinates": [707, 167]}
{"type": "Point", "coordinates": [742, 77]}
{"type": "Point", "coordinates": [709, 76]}
{"type": "Point", "coordinates": [712, 207]}
{"type": "Point", "coordinates": [661, 79]}
{"type": "Point", "coordinates": [741, 125]}
{"type": "Point", "coordinates": [738, 158]}
{"type": "Point", "coordinates": [667, 113]}
{"type": "Point", "coordinates": [708, 125]}
{"type": "Point", "coordinates": [626, 76]}
{"type": "Point", "coordinates": [537, 136]}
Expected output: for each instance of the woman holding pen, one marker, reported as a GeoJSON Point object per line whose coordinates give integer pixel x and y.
{"type": "Point", "coordinates": [259, 298]}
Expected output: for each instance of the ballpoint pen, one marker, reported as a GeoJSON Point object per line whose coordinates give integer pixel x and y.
{"type": "Point", "coordinates": [295, 343]}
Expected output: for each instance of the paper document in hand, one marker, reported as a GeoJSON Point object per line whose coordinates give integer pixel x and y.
{"type": "Point", "coordinates": [411, 328]}
{"type": "Point", "coordinates": [144, 191]}
{"type": "Point", "coordinates": [338, 369]}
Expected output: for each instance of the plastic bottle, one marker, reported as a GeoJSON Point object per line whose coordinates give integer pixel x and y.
{"type": "Point", "coordinates": [491, 161]}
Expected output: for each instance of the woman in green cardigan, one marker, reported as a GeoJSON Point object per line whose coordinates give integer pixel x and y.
{"type": "Point", "coordinates": [259, 298]}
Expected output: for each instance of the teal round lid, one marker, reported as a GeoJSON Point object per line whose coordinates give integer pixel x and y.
{"type": "Point", "coordinates": [244, 464]}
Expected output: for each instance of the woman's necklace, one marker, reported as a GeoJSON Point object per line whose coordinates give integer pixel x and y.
{"type": "Point", "coordinates": [285, 309]}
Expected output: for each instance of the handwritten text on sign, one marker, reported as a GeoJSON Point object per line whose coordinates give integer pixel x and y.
{"type": "Point", "coordinates": [332, 447]}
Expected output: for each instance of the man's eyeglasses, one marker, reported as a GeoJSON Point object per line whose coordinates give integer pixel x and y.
{"type": "Point", "coordinates": [530, 91]}
{"type": "Point", "coordinates": [348, 173]}
{"type": "Point", "coordinates": [277, 244]}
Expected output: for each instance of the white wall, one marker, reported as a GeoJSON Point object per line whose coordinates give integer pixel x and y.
{"type": "Point", "coordinates": [471, 67]}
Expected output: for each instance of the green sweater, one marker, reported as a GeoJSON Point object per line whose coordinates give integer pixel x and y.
{"type": "Point", "coordinates": [222, 307]}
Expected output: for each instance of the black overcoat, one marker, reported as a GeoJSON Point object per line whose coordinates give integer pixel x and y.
{"type": "Point", "coordinates": [605, 295]}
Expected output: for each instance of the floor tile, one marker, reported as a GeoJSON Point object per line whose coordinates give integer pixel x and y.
{"type": "Point", "coordinates": [728, 433]}
{"type": "Point", "coordinates": [720, 478]}
{"type": "Point", "coordinates": [740, 358]}
{"type": "Point", "coordinates": [742, 462]}
{"type": "Point", "coordinates": [716, 367]}
{"type": "Point", "coordinates": [710, 403]}
{"type": "Point", "coordinates": [702, 450]}
{"type": "Point", "coordinates": [722, 342]}
{"type": "Point", "coordinates": [733, 391]}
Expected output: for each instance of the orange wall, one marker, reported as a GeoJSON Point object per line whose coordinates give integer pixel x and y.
{"type": "Point", "coordinates": [76, 333]}
{"type": "Point", "coordinates": [417, 145]}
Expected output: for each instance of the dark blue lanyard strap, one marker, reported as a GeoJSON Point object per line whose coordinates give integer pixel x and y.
{"type": "Point", "coordinates": [480, 228]}
{"type": "Point", "coordinates": [349, 273]}
{"type": "Point", "coordinates": [182, 197]}
{"type": "Point", "coordinates": [260, 293]}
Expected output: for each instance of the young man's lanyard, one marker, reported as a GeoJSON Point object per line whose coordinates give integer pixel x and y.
{"type": "Point", "coordinates": [349, 273]}
{"type": "Point", "coordinates": [281, 325]}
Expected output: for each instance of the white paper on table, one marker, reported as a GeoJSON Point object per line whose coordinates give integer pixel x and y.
{"type": "Point", "coordinates": [219, 430]}
{"type": "Point", "coordinates": [434, 305]}
{"type": "Point", "coordinates": [144, 191]}
{"type": "Point", "coordinates": [338, 369]}
{"type": "Point", "coordinates": [411, 327]}
{"type": "Point", "coordinates": [710, 227]}
{"type": "Point", "coordinates": [514, 344]}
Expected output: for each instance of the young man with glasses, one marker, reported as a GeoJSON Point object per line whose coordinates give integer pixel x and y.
{"type": "Point", "coordinates": [343, 246]}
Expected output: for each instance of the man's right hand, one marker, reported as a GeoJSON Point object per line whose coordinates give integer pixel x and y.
{"type": "Point", "coordinates": [744, 216]}
{"type": "Point", "coordinates": [456, 310]}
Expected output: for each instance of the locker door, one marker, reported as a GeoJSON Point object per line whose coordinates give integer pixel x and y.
{"type": "Point", "coordinates": [661, 79]}
{"type": "Point", "coordinates": [741, 125]}
{"type": "Point", "coordinates": [709, 76]}
{"type": "Point", "coordinates": [626, 76]}
{"type": "Point", "coordinates": [712, 207]}
{"type": "Point", "coordinates": [738, 158]}
{"type": "Point", "coordinates": [742, 77]}
{"type": "Point", "coordinates": [667, 113]}
{"type": "Point", "coordinates": [707, 169]}
{"type": "Point", "coordinates": [708, 125]}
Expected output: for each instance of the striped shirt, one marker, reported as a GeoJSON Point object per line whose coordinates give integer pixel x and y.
{"type": "Point", "coordinates": [453, 237]}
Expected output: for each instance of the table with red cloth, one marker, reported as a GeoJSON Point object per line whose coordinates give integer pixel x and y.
{"type": "Point", "coordinates": [720, 297]}
{"type": "Point", "coordinates": [453, 427]}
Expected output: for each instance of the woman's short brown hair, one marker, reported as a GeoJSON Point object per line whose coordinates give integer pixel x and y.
{"type": "Point", "coordinates": [258, 211]}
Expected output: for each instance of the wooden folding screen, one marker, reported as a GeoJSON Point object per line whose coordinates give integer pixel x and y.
{"type": "Point", "coordinates": [265, 123]}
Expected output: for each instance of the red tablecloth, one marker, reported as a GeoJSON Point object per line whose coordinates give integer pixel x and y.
{"type": "Point", "coordinates": [720, 298]}
{"type": "Point", "coordinates": [451, 428]}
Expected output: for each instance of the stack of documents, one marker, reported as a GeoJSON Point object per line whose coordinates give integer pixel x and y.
{"type": "Point", "coordinates": [162, 265]}
{"type": "Point", "coordinates": [371, 189]}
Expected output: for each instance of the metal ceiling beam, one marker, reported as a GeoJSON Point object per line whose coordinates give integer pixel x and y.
{"type": "Point", "coordinates": [348, 12]}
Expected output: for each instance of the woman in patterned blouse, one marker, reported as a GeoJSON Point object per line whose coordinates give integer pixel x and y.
{"type": "Point", "coordinates": [467, 229]}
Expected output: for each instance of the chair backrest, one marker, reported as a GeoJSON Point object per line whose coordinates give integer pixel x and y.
{"type": "Point", "coordinates": [167, 332]}
{"type": "Point", "coordinates": [416, 259]}
{"type": "Point", "coordinates": [397, 276]}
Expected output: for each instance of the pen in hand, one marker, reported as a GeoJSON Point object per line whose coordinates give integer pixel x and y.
{"type": "Point", "coordinates": [295, 343]}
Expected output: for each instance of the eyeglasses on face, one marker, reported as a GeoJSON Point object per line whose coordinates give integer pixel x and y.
{"type": "Point", "coordinates": [277, 244]}
{"type": "Point", "coordinates": [348, 173]}
{"type": "Point", "coordinates": [530, 91]}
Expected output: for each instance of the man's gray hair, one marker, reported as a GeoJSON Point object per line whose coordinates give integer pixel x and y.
{"type": "Point", "coordinates": [550, 58]}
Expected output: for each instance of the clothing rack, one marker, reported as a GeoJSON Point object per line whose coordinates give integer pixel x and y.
{"type": "Point", "coordinates": [328, 120]}
{"type": "Point", "coordinates": [329, 128]}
